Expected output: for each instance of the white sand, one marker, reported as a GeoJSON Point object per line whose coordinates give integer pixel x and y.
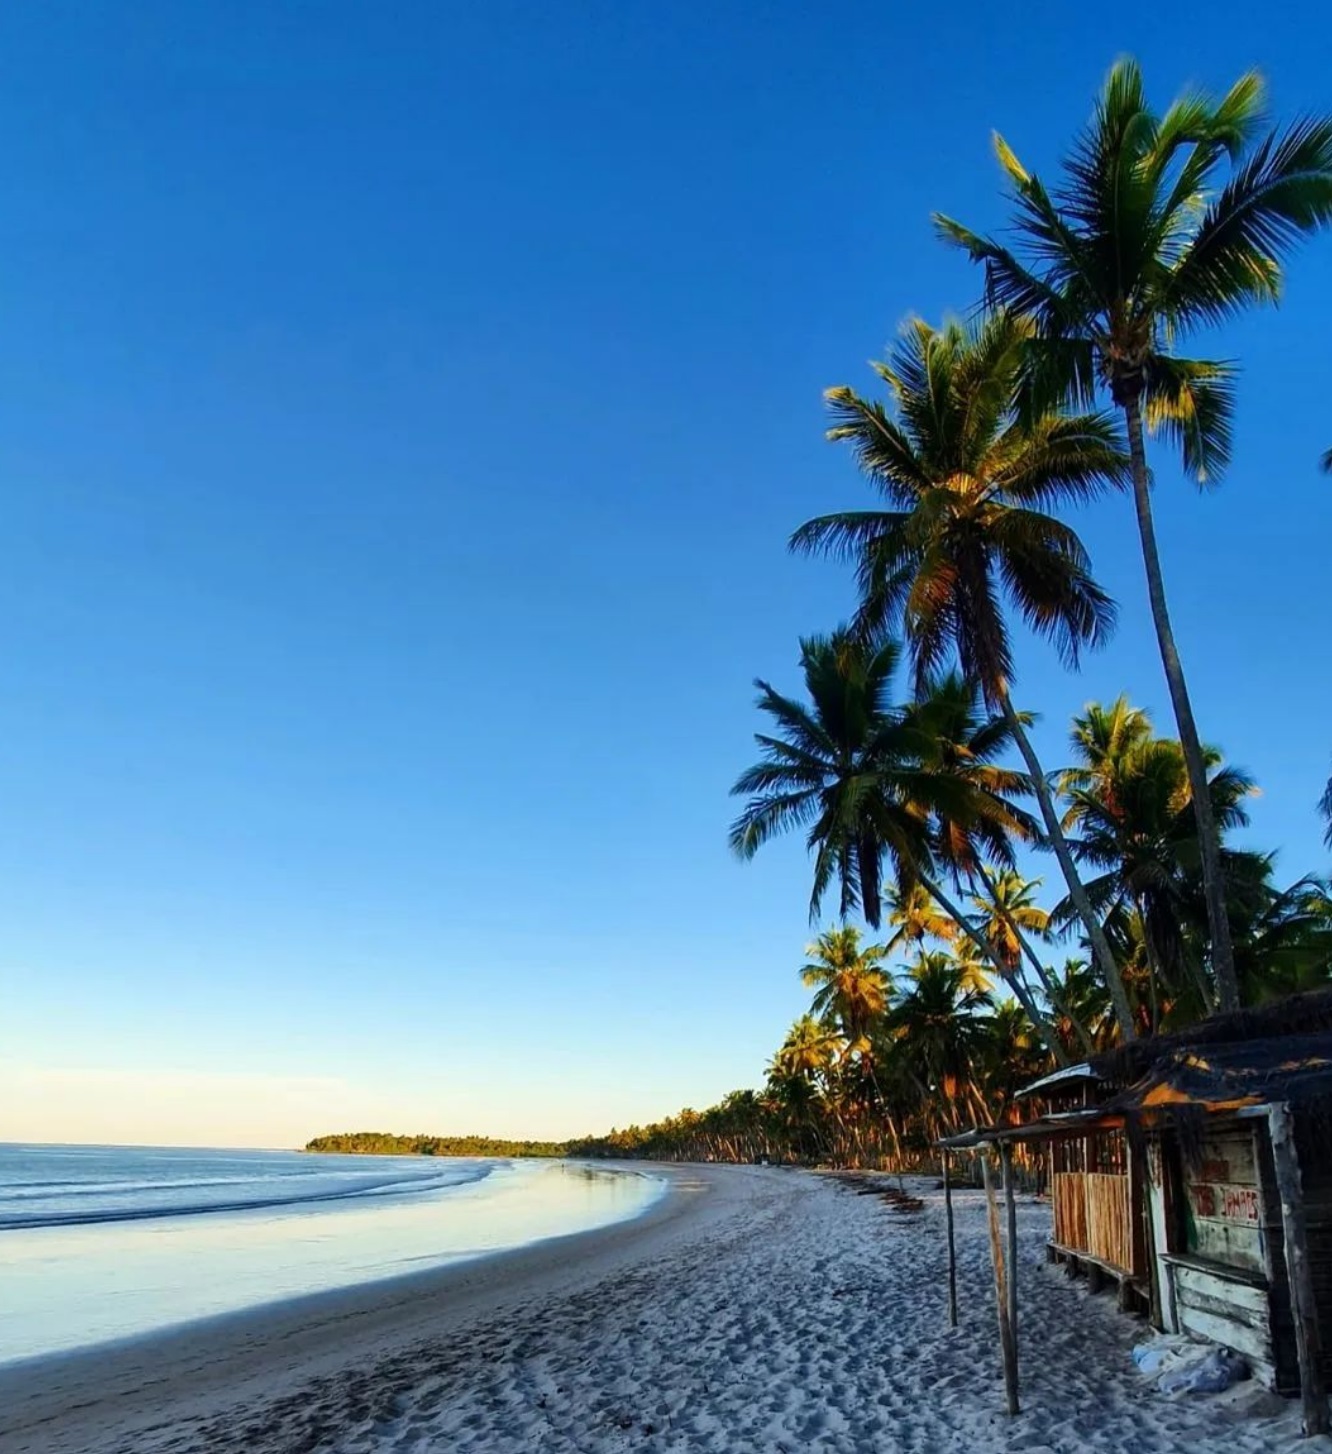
{"type": "Point", "coordinates": [753, 1310]}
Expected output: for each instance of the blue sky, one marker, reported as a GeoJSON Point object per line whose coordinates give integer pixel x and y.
{"type": "Point", "coordinates": [404, 412]}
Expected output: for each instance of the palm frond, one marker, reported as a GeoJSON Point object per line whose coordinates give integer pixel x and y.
{"type": "Point", "coordinates": [1277, 197]}
{"type": "Point", "coordinates": [1192, 403]}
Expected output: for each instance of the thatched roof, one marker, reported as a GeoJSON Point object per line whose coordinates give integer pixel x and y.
{"type": "Point", "coordinates": [1232, 1077]}
{"type": "Point", "coordinates": [1297, 1015]}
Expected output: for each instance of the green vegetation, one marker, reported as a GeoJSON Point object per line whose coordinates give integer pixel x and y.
{"type": "Point", "coordinates": [384, 1143]}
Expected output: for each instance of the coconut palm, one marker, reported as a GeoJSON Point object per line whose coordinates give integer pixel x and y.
{"type": "Point", "coordinates": [1325, 808]}
{"type": "Point", "coordinates": [841, 768]}
{"type": "Point", "coordinates": [1163, 223]}
{"type": "Point", "coordinates": [1084, 1001]}
{"type": "Point", "coordinates": [1283, 937]}
{"type": "Point", "coordinates": [852, 991]}
{"type": "Point", "coordinates": [961, 742]}
{"type": "Point", "coordinates": [1010, 916]}
{"type": "Point", "coordinates": [809, 1051]}
{"type": "Point", "coordinates": [914, 917]}
{"type": "Point", "coordinates": [1130, 807]}
{"type": "Point", "coordinates": [969, 483]}
{"type": "Point", "coordinates": [1013, 1057]}
{"type": "Point", "coordinates": [941, 1027]}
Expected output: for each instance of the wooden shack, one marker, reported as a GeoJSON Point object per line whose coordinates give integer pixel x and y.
{"type": "Point", "coordinates": [1196, 1168]}
{"type": "Point", "coordinates": [1211, 1118]}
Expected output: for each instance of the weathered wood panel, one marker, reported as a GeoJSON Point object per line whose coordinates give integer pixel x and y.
{"type": "Point", "coordinates": [1229, 1332]}
{"type": "Point", "coordinates": [1228, 1310]}
{"type": "Point", "coordinates": [1163, 1238]}
{"type": "Point", "coordinates": [1224, 1204]}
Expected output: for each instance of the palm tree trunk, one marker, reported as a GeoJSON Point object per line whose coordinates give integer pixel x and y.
{"type": "Point", "coordinates": [1209, 840]}
{"type": "Point", "coordinates": [1043, 1027]}
{"type": "Point", "coordinates": [1100, 946]}
{"type": "Point", "coordinates": [1042, 973]}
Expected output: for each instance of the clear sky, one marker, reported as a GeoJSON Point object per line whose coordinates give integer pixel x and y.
{"type": "Point", "coordinates": [404, 410]}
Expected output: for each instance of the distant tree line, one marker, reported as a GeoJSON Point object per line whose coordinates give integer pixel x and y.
{"type": "Point", "coordinates": [385, 1143]}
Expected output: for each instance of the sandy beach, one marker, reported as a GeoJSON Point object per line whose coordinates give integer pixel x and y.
{"type": "Point", "coordinates": [751, 1309]}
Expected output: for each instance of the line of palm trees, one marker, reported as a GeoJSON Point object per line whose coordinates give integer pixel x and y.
{"type": "Point", "coordinates": [920, 801]}
{"type": "Point", "coordinates": [966, 993]}
{"type": "Point", "coordinates": [1160, 223]}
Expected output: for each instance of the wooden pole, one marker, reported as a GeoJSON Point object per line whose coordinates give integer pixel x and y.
{"type": "Point", "coordinates": [1011, 1259]}
{"type": "Point", "coordinates": [1307, 1343]}
{"type": "Point", "coordinates": [952, 1242]}
{"type": "Point", "coordinates": [1000, 1291]}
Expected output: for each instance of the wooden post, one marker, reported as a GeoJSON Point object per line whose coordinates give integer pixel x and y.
{"type": "Point", "coordinates": [1307, 1345]}
{"type": "Point", "coordinates": [1011, 1259]}
{"type": "Point", "coordinates": [952, 1243]}
{"type": "Point", "coordinates": [1000, 1291]}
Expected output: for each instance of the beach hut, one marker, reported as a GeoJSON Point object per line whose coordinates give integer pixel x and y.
{"type": "Point", "coordinates": [1197, 1168]}
{"type": "Point", "coordinates": [1096, 1179]}
{"type": "Point", "coordinates": [1237, 1139]}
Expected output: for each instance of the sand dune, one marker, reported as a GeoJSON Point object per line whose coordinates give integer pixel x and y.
{"type": "Point", "coordinates": [753, 1310]}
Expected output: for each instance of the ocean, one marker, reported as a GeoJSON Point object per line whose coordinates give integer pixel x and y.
{"type": "Point", "coordinates": [99, 1243]}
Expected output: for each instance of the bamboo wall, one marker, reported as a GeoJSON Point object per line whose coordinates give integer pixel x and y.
{"type": "Point", "coordinates": [1091, 1215]}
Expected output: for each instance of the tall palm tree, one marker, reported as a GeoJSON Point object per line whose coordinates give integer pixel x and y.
{"type": "Point", "coordinates": [941, 1027]}
{"type": "Point", "coordinates": [914, 917]}
{"type": "Point", "coordinates": [969, 483]}
{"type": "Point", "coordinates": [1013, 1057]}
{"type": "Point", "coordinates": [1325, 808]}
{"type": "Point", "coordinates": [852, 990]}
{"type": "Point", "coordinates": [1163, 223]}
{"type": "Point", "coordinates": [1130, 807]}
{"type": "Point", "coordinates": [1084, 1000]}
{"type": "Point", "coordinates": [1010, 915]}
{"type": "Point", "coordinates": [1283, 937]}
{"type": "Point", "coordinates": [841, 768]}
{"type": "Point", "coordinates": [809, 1050]}
{"type": "Point", "coordinates": [961, 742]}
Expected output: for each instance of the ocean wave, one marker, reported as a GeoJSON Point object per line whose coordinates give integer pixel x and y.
{"type": "Point", "coordinates": [438, 1179]}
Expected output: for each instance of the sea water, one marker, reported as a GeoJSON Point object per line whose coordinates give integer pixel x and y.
{"type": "Point", "coordinates": [100, 1243]}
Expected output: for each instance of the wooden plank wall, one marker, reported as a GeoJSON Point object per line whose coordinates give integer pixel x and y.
{"type": "Point", "coordinates": [1232, 1313]}
{"type": "Point", "coordinates": [1313, 1141]}
{"type": "Point", "coordinates": [1225, 1204]}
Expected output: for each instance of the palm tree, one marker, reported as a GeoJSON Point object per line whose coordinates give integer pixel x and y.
{"type": "Point", "coordinates": [1083, 1000]}
{"type": "Point", "coordinates": [941, 1027]}
{"type": "Point", "coordinates": [961, 742]}
{"type": "Point", "coordinates": [1012, 1058]}
{"type": "Point", "coordinates": [852, 991]}
{"type": "Point", "coordinates": [1130, 806]}
{"type": "Point", "coordinates": [969, 482]}
{"type": "Point", "coordinates": [841, 768]}
{"type": "Point", "coordinates": [914, 917]}
{"type": "Point", "coordinates": [1163, 223]}
{"type": "Point", "coordinates": [809, 1050]}
{"type": "Point", "coordinates": [1325, 808]}
{"type": "Point", "coordinates": [1283, 937]}
{"type": "Point", "coordinates": [1010, 915]}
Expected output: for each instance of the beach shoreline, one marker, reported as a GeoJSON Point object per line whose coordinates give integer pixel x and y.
{"type": "Point", "coordinates": [749, 1309]}
{"type": "Point", "coordinates": [88, 1398]}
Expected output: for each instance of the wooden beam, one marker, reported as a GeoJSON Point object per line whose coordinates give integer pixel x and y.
{"type": "Point", "coordinates": [1011, 1260]}
{"type": "Point", "coordinates": [952, 1242]}
{"type": "Point", "coordinates": [1307, 1344]}
{"type": "Point", "coordinates": [1007, 1347]}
